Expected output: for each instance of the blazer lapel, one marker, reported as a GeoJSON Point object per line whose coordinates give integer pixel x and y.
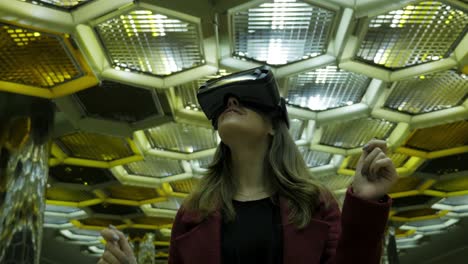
{"type": "Point", "coordinates": [202, 243]}
{"type": "Point", "coordinates": [302, 246]}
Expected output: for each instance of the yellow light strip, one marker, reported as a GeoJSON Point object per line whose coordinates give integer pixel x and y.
{"type": "Point", "coordinates": [25, 89]}
{"type": "Point", "coordinates": [426, 185]}
{"type": "Point", "coordinates": [448, 152]}
{"type": "Point", "coordinates": [433, 154]}
{"type": "Point", "coordinates": [179, 195]}
{"type": "Point", "coordinates": [89, 202]}
{"type": "Point", "coordinates": [419, 218]}
{"type": "Point", "coordinates": [74, 86]}
{"type": "Point", "coordinates": [62, 158]}
{"type": "Point", "coordinates": [153, 200]}
{"type": "Point", "coordinates": [407, 233]}
{"type": "Point", "coordinates": [122, 202]}
{"type": "Point", "coordinates": [404, 194]}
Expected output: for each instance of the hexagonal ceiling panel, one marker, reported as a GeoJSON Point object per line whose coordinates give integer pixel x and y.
{"type": "Point", "coordinates": [281, 32]}
{"type": "Point", "coordinates": [21, 46]}
{"type": "Point", "coordinates": [150, 42]}
{"type": "Point", "coordinates": [392, 38]}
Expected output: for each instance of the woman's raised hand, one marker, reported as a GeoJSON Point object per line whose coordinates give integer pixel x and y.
{"type": "Point", "coordinates": [375, 172]}
{"type": "Point", "coordinates": [118, 250]}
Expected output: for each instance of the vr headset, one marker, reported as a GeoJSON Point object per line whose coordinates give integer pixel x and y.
{"type": "Point", "coordinates": [255, 88]}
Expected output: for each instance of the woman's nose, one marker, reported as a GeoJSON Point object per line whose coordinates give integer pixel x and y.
{"type": "Point", "coordinates": [232, 101]}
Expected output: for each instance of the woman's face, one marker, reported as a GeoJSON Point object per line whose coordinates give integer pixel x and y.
{"type": "Point", "coordinates": [239, 122]}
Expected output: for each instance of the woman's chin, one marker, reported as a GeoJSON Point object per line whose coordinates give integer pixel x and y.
{"type": "Point", "coordinates": [233, 130]}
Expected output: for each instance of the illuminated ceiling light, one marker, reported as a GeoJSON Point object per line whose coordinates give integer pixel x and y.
{"type": "Point", "coordinates": [296, 128]}
{"type": "Point", "coordinates": [61, 209]}
{"type": "Point", "coordinates": [80, 234]}
{"type": "Point", "coordinates": [411, 238]}
{"type": "Point", "coordinates": [315, 158]}
{"type": "Point", "coordinates": [80, 175]}
{"type": "Point", "coordinates": [124, 103]}
{"type": "Point", "coordinates": [35, 58]}
{"type": "Point", "coordinates": [355, 133]}
{"type": "Point", "coordinates": [326, 88]}
{"type": "Point", "coordinates": [154, 167]}
{"type": "Point", "coordinates": [55, 221]}
{"type": "Point", "coordinates": [96, 250]}
{"type": "Point", "coordinates": [183, 186]}
{"type": "Point", "coordinates": [181, 137]}
{"type": "Point", "coordinates": [282, 31]}
{"type": "Point", "coordinates": [172, 203]}
{"type": "Point", "coordinates": [94, 146]}
{"type": "Point", "coordinates": [435, 92]}
{"type": "Point", "coordinates": [440, 137]}
{"type": "Point", "coordinates": [64, 212]}
{"type": "Point", "coordinates": [429, 225]}
{"type": "Point", "coordinates": [201, 165]}
{"type": "Point", "coordinates": [132, 193]}
{"type": "Point", "coordinates": [188, 92]}
{"type": "Point", "coordinates": [153, 43]}
{"type": "Point", "coordinates": [62, 4]}
{"type": "Point", "coordinates": [455, 203]}
{"type": "Point", "coordinates": [418, 33]}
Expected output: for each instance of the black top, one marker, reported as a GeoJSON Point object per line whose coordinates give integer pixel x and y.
{"type": "Point", "coordinates": [255, 236]}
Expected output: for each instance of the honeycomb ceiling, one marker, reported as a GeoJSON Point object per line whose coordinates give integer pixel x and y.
{"type": "Point", "coordinates": [130, 140]}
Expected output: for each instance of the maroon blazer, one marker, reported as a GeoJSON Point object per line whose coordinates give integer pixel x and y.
{"type": "Point", "coordinates": [353, 236]}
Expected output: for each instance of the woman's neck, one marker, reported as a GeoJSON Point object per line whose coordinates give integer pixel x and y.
{"type": "Point", "coordinates": [248, 169]}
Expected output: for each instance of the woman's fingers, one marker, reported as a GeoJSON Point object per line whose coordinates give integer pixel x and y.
{"type": "Point", "coordinates": [376, 167]}
{"type": "Point", "coordinates": [122, 241]}
{"type": "Point", "coordinates": [101, 261]}
{"type": "Point", "coordinates": [376, 143]}
{"type": "Point", "coordinates": [115, 250]}
{"type": "Point", "coordinates": [109, 235]}
{"type": "Point", "coordinates": [110, 258]}
{"type": "Point", "coordinates": [368, 161]}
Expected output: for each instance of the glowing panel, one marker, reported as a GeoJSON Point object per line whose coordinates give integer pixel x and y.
{"type": "Point", "coordinates": [154, 167]}
{"type": "Point", "coordinates": [296, 128]}
{"type": "Point", "coordinates": [35, 58]}
{"type": "Point", "coordinates": [94, 146]}
{"type": "Point", "coordinates": [326, 88]}
{"type": "Point", "coordinates": [418, 33]}
{"type": "Point", "coordinates": [149, 42]}
{"type": "Point", "coordinates": [183, 186]}
{"type": "Point", "coordinates": [355, 133]}
{"type": "Point", "coordinates": [424, 94]}
{"type": "Point", "coordinates": [440, 137]}
{"type": "Point", "coordinates": [281, 31]}
{"type": "Point", "coordinates": [63, 4]}
{"type": "Point", "coordinates": [182, 137]}
{"type": "Point", "coordinates": [315, 158]}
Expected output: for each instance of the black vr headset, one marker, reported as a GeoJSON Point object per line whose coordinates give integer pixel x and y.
{"type": "Point", "coordinates": [255, 88]}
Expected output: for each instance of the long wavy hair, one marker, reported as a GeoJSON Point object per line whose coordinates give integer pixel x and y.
{"type": "Point", "coordinates": [289, 178]}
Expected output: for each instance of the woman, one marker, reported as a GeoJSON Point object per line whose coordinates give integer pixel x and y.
{"type": "Point", "coordinates": [257, 203]}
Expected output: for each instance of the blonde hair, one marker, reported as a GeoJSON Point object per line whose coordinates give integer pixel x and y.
{"type": "Point", "coordinates": [290, 179]}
